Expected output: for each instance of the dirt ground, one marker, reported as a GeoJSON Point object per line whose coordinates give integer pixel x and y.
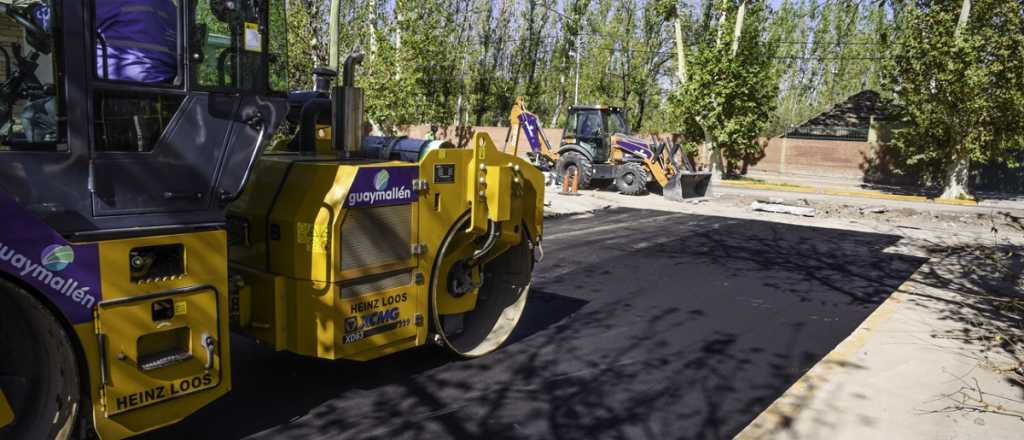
{"type": "Point", "coordinates": [981, 220]}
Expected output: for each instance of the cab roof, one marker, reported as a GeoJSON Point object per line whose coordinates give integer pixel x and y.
{"type": "Point", "coordinates": [595, 107]}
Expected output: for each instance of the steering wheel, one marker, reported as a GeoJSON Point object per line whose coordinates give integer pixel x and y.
{"type": "Point", "coordinates": [29, 25]}
{"type": "Point", "coordinates": [35, 33]}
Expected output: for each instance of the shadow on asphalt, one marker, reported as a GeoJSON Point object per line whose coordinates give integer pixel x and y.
{"type": "Point", "coordinates": [682, 326]}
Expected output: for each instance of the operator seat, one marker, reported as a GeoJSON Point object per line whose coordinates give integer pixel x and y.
{"type": "Point", "coordinates": [137, 41]}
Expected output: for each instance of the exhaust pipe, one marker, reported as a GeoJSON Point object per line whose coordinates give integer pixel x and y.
{"type": "Point", "coordinates": [347, 127]}
{"type": "Point", "coordinates": [349, 74]}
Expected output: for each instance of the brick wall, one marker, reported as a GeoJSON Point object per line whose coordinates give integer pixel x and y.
{"type": "Point", "coordinates": [497, 134]}
{"type": "Point", "coordinates": [823, 158]}
{"type": "Point", "coordinates": [813, 157]}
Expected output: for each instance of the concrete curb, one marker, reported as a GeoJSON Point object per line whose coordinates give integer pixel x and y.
{"type": "Point", "coordinates": [553, 215]}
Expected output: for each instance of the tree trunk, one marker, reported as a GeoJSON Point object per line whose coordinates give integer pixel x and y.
{"type": "Point", "coordinates": [957, 172]}
{"type": "Point", "coordinates": [680, 51]}
{"type": "Point", "coordinates": [965, 14]}
{"type": "Point", "coordinates": [462, 88]}
{"type": "Point", "coordinates": [740, 15]}
{"type": "Point", "coordinates": [715, 157]}
{"type": "Point", "coordinates": [956, 177]}
{"type": "Point", "coordinates": [561, 101]}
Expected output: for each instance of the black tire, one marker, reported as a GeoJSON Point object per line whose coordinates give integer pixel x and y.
{"type": "Point", "coordinates": [38, 370]}
{"type": "Point", "coordinates": [571, 161]}
{"type": "Point", "coordinates": [632, 179]}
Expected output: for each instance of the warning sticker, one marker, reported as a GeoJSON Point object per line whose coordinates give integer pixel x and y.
{"type": "Point", "coordinates": [314, 236]}
{"type": "Point", "coordinates": [253, 38]}
{"type": "Point", "coordinates": [180, 308]}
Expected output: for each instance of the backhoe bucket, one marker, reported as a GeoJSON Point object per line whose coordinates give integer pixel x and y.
{"type": "Point", "coordinates": [687, 185]}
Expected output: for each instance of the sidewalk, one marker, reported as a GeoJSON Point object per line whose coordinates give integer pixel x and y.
{"type": "Point", "coordinates": [915, 369]}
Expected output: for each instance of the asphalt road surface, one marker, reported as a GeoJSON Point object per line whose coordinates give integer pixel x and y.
{"type": "Point", "coordinates": [641, 325]}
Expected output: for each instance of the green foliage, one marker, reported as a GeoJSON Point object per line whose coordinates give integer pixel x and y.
{"type": "Point", "coordinates": [729, 99]}
{"type": "Point", "coordinates": [435, 61]}
{"type": "Point", "coordinates": [826, 53]}
{"type": "Point", "coordinates": [963, 97]}
{"type": "Point", "coordinates": [303, 47]}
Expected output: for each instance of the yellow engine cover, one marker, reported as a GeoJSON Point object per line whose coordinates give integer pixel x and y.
{"type": "Point", "coordinates": [336, 255]}
{"type": "Point", "coordinates": [6, 414]}
{"type": "Point", "coordinates": [158, 349]}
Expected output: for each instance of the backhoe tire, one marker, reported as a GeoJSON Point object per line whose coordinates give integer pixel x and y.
{"type": "Point", "coordinates": [632, 179]}
{"type": "Point", "coordinates": [567, 165]}
{"type": "Point", "coordinates": [38, 371]}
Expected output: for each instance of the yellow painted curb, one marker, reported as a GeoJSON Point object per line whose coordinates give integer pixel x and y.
{"type": "Point", "coordinates": [836, 192]}
{"type": "Point", "coordinates": [782, 413]}
{"type": "Point", "coordinates": [769, 186]}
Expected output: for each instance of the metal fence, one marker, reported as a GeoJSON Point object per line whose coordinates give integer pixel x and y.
{"type": "Point", "coordinates": [829, 132]}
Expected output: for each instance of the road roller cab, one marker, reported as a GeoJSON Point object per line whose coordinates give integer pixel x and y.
{"type": "Point", "coordinates": [125, 130]}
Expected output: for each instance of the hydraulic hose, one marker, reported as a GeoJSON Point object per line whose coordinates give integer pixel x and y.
{"type": "Point", "coordinates": [307, 123]}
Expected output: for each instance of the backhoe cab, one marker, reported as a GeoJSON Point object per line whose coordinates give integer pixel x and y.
{"type": "Point", "coordinates": [597, 148]}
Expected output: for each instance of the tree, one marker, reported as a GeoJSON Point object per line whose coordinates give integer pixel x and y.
{"type": "Point", "coordinates": [825, 53]}
{"type": "Point", "coordinates": [962, 87]}
{"type": "Point", "coordinates": [729, 97]}
{"type": "Point", "coordinates": [304, 49]}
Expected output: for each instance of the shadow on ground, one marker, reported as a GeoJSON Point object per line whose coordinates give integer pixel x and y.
{"type": "Point", "coordinates": [980, 288]}
{"type": "Point", "coordinates": [642, 324]}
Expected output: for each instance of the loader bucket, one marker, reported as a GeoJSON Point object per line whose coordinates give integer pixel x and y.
{"type": "Point", "coordinates": [687, 185]}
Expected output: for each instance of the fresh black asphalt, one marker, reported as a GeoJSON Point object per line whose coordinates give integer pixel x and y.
{"type": "Point", "coordinates": [640, 325]}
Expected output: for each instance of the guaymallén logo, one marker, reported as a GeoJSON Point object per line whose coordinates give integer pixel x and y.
{"type": "Point", "coordinates": [57, 257]}
{"type": "Point", "coordinates": [380, 181]}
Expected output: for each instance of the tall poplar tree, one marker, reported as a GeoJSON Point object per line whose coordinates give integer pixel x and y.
{"type": "Point", "coordinates": [958, 71]}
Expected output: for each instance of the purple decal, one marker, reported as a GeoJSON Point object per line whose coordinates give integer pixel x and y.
{"type": "Point", "coordinates": [382, 187]}
{"type": "Point", "coordinates": [532, 129]}
{"type": "Point", "coordinates": [68, 274]}
{"type": "Point", "coordinates": [636, 148]}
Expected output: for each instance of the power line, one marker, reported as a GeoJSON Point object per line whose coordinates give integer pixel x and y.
{"type": "Point", "coordinates": [831, 58]}
{"type": "Point", "coordinates": [852, 43]}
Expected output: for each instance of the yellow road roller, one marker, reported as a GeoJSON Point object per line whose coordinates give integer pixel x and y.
{"type": "Point", "coordinates": [150, 202]}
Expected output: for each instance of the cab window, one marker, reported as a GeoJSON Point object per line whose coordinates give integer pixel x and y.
{"type": "Point", "coordinates": [570, 124]}
{"type": "Point", "coordinates": [617, 124]}
{"type": "Point", "coordinates": [137, 41]}
{"type": "Point", "coordinates": [590, 124]}
{"type": "Point", "coordinates": [229, 43]}
{"type": "Point", "coordinates": [31, 109]}
{"type": "Point", "coordinates": [278, 56]}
